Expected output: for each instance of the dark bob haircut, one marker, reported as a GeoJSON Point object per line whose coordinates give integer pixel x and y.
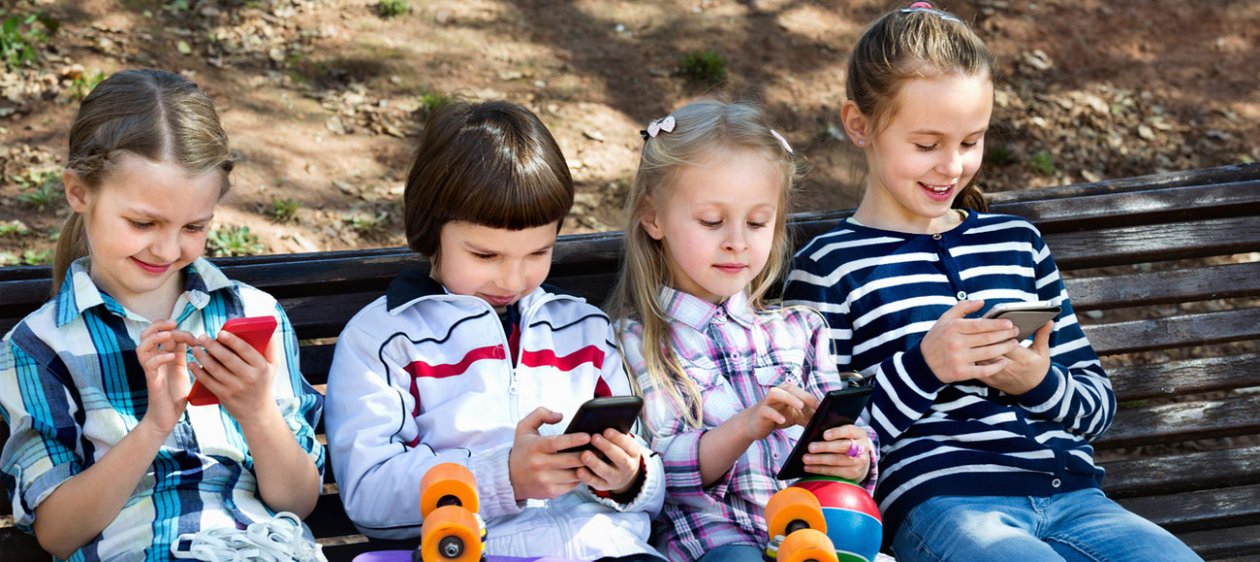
{"type": "Point", "coordinates": [492, 164]}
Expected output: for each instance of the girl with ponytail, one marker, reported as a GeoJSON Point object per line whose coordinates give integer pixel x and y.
{"type": "Point", "coordinates": [984, 440]}
{"type": "Point", "coordinates": [107, 460]}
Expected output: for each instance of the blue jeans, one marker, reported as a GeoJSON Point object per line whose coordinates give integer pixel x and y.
{"type": "Point", "coordinates": [733, 553]}
{"type": "Point", "coordinates": [1083, 525]}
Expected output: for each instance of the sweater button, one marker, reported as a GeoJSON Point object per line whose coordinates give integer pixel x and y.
{"type": "Point", "coordinates": [962, 295]}
{"type": "Point", "coordinates": [936, 236]}
{"type": "Point", "coordinates": [1056, 483]}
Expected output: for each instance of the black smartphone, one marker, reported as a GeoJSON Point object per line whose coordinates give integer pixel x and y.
{"type": "Point", "coordinates": [838, 407]}
{"type": "Point", "coordinates": [597, 414]}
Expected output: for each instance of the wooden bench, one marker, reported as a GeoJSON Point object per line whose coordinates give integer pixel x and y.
{"type": "Point", "coordinates": [1164, 271]}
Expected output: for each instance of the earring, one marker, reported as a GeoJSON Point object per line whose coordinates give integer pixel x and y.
{"type": "Point", "coordinates": [861, 142]}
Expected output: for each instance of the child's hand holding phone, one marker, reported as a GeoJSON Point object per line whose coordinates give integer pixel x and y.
{"type": "Point", "coordinates": [538, 465]}
{"type": "Point", "coordinates": [958, 348]}
{"type": "Point", "coordinates": [234, 368]}
{"type": "Point", "coordinates": [844, 452]}
{"type": "Point", "coordinates": [616, 469]}
{"type": "Point", "coordinates": [1025, 367]}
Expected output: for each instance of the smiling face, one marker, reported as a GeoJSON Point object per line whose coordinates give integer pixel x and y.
{"type": "Point", "coordinates": [926, 154]}
{"type": "Point", "coordinates": [498, 265]}
{"type": "Point", "coordinates": [144, 223]}
{"type": "Point", "coordinates": [717, 222]}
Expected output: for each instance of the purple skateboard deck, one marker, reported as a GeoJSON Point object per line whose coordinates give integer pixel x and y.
{"type": "Point", "coordinates": [405, 556]}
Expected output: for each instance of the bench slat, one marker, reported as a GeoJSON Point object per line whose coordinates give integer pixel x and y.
{"type": "Point", "coordinates": [1189, 376]}
{"type": "Point", "coordinates": [1110, 210]}
{"type": "Point", "coordinates": [1221, 543]}
{"type": "Point", "coordinates": [1158, 242]}
{"type": "Point", "coordinates": [1178, 331]}
{"type": "Point", "coordinates": [16, 546]}
{"type": "Point", "coordinates": [1196, 511]}
{"type": "Point", "coordinates": [1164, 287]}
{"type": "Point", "coordinates": [1186, 472]}
{"type": "Point", "coordinates": [1183, 421]}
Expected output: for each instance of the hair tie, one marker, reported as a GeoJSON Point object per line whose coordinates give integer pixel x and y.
{"type": "Point", "coordinates": [782, 141]}
{"type": "Point", "coordinates": [654, 128]}
{"type": "Point", "coordinates": [929, 8]}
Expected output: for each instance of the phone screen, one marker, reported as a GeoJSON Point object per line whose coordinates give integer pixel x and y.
{"type": "Point", "coordinates": [838, 407]}
{"type": "Point", "coordinates": [598, 414]}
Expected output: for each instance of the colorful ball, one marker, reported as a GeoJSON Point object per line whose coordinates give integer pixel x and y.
{"type": "Point", "coordinates": [853, 521]}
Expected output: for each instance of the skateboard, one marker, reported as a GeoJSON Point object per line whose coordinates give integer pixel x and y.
{"type": "Point", "coordinates": [798, 530]}
{"type": "Point", "coordinates": [452, 530]}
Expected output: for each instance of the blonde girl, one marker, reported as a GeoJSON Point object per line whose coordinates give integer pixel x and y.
{"type": "Point", "coordinates": [726, 378]}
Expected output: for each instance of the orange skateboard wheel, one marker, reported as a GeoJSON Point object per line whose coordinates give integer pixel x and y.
{"type": "Point", "coordinates": [793, 508]}
{"type": "Point", "coordinates": [807, 545]}
{"type": "Point", "coordinates": [448, 484]}
{"type": "Point", "coordinates": [450, 533]}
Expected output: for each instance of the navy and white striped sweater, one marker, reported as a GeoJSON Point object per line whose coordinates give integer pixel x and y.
{"type": "Point", "coordinates": [882, 290]}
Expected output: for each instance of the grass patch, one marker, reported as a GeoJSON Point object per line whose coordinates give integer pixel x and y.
{"type": "Point", "coordinates": [83, 84]}
{"type": "Point", "coordinates": [37, 257]}
{"type": "Point", "coordinates": [233, 241]}
{"type": "Point", "coordinates": [364, 223]}
{"type": "Point", "coordinates": [284, 210]}
{"type": "Point", "coordinates": [430, 101]}
{"type": "Point", "coordinates": [707, 68]}
{"type": "Point", "coordinates": [393, 8]}
{"type": "Point", "coordinates": [40, 189]}
{"type": "Point", "coordinates": [1042, 163]}
{"type": "Point", "coordinates": [999, 155]}
{"type": "Point", "coordinates": [20, 37]}
{"type": "Point", "coordinates": [13, 228]}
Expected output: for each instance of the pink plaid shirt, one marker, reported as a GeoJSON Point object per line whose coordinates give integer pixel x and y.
{"type": "Point", "coordinates": [734, 354]}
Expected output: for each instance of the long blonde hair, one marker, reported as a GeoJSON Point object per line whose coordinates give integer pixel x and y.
{"type": "Point", "coordinates": [153, 114]}
{"type": "Point", "coordinates": [700, 127]}
{"type": "Point", "coordinates": [914, 43]}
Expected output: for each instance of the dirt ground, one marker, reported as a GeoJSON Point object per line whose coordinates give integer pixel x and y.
{"type": "Point", "coordinates": [323, 99]}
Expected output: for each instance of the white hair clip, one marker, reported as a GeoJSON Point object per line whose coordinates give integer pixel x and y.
{"type": "Point", "coordinates": [782, 141]}
{"type": "Point", "coordinates": [656, 126]}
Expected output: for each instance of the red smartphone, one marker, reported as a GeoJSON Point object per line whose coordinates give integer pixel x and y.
{"type": "Point", "coordinates": [256, 331]}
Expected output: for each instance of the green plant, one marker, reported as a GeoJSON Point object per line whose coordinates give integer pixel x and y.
{"type": "Point", "coordinates": [1043, 163]}
{"type": "Point", "coordinates": [999, 155]}
{"type": "Point", "coordinates": [37, 257]}
{"type": "Point", "coordinates": [13, 228]}
{"type": "Point", "coordinates": [430, 101]}
{"type": "Point", "coordinates": [364, 223]}
{"type": "Point", "coordinates": [83, 84]}
{"type": "Point", "coordinates": [233, 241]}
{"type": "Point", "coordinates": [284, 210]}
{"type": "Point", "coordinates": [41, 189]}
{"type": "Point", "coordinates": [707, 68]}
{"type": "Point", "coordinates": [19, 36]}
{"type": "Point", "coordinates": [393, 8]}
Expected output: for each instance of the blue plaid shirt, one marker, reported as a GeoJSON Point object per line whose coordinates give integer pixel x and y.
{"type": "Point", "coordinates": [71, 387]}
{"type": "Point", "coordinates": [735, 355]}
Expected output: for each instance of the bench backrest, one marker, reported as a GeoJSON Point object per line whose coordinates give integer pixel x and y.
{"type": "Point", "coordinates": [1166, 256]}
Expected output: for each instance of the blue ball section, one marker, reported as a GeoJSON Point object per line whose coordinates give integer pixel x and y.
{"type": "Point", "coordinates": [854, 532]}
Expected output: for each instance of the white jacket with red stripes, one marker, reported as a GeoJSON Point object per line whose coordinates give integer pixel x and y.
{"type": "Point", "coordinates": [421, 377]}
